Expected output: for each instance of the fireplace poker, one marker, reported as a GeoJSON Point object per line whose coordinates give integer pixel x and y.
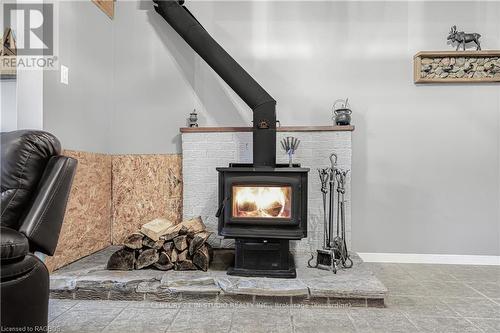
{"type": "Point", "coordinates": [323, 177]}
{"type": "Point", "coordinates": [333, 161]}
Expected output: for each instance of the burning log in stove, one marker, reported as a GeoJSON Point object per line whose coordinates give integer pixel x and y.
{"type": "Point", "coordinates": [163, 245]}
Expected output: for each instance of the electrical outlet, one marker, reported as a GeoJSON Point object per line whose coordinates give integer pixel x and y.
{"type": "Point", "coordinates": [64, 74]}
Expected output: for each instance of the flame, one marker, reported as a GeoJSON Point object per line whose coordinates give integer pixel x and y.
{"type": "Point", "coordinates": [261, 201]}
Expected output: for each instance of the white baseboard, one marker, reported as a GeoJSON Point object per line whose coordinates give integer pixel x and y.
{"type": "Point", "coordinates": [415, 258]}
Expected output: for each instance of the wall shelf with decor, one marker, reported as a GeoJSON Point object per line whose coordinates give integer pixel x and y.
{"type": "Point", "coordinates": [456, 66]}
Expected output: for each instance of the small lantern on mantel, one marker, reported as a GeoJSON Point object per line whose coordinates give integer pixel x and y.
{"type": "Point", "coordinates": [193, 119]}
{"type": "Point", "coordinates": [341, 112]}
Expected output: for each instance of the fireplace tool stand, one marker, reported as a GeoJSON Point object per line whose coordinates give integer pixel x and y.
{"type": "Point", "coordinates": [334, 252]}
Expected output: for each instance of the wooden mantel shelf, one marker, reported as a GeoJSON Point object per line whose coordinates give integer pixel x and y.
{"type": "Point", "coordinates": [279, 129]}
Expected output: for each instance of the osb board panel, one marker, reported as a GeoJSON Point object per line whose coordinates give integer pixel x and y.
{"type": "Point", "coordinates": [145, 187]}
{"type": "Point", "coordinates": [86, 228]}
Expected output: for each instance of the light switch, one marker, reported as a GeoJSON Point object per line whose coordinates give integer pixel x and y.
{"type": "Point", "coordinates": [64, 74]}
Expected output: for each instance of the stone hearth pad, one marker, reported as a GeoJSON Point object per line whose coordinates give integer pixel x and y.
{"type": "Point", "coordinates": [87, 278]}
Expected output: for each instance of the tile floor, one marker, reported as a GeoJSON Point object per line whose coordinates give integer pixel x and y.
{"type": "Point", "coordinates": [422, 298]}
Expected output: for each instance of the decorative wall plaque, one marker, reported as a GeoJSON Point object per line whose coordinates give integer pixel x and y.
{"type": "Point", "coordinates": [107, 6]}
{"type": "Point", "coordinates": [456, 67]}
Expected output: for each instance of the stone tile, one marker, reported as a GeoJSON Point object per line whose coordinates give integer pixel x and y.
{"type": "Point", "coordinates": [474, 307]}
{"type": "Point", "coordinates": [85, 305]}
{"type": "Point", "coordinates": [427, 272]}
{"type": "Point", "coordinates": [443, 325]}
{"type": "Point", "coordinates": [420, 306]}
{"type": "Point", "coordinates": [383, 320]}
{"type": "Point", "coordinates": [254, 320]}
{"type": "Point", "coordinates": [347, 302]}
{"type": "Point", "coordinates": [488, 289]}
{"type": "Point", "coordinates": [164, 296]}
{"type": "Point", "coordinates": [89, 320]}
{"type": "Point", "coordinates": [407, 287]}
{"type": "Point", "coordinates": [375, 303]}
{"type": "Point", "coordinates": [321, 320]}
{"type": "Point", "coordinates": [92, 294]}
{"type": "Point", "coordinates": [308, 300]}
{"type": "Point", "coordinates": [271, 300]}
{"type": "Point", "coordinates": [58, 307]}
{"type": "Point", "coordinates": [350, 285]}
{"type": "Point", "coordinates": [207, 320]}
{"type": "Point", "coordinates": [476, 274]}
{"type": "Point", "coordinates": [236, 299]}
{"type": "Point", "coordinates": [148, 286]}
{"type": "Point", "coordinates": [262, 286]}
{"type": "Point", "coordinates": [186, 278]}
{"type": "Point", "coordinates": [199, 297]}
{"type": "Point", "coordinates": [62, 294]}
{"type": "Point", "coordinates": [149, 320]}
{"type": "Point", "coordinates": [486, 325]}
{"type": "Point", "coordinates": [448, 289]}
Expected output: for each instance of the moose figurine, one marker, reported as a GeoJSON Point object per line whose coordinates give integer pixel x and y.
{"type": "Point", "coordinates": [462, 38]}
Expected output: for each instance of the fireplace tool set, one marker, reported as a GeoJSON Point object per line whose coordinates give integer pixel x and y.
{"type": "Point", "coordinates": [334, 252]}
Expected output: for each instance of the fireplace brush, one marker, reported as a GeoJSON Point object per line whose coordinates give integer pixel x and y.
{"type": "Point", "coordinates": [339, 242]}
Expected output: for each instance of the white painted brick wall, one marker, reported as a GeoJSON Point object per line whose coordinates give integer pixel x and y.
{"type": "Point", "coordinates": [203, 152]}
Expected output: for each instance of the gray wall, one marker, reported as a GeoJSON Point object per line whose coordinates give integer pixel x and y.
{"type": "Point", "coordinates": [425, 158]}
{"type": "Point", "coordinates": [152, 93]}
{"type": "Point", "coordinates": [80, 113]}
{"type": "Point", "coordinates": [8, 116]}
{"type": "Point", "coordinates": [426, 174]}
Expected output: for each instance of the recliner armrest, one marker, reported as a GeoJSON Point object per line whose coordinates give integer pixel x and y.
{"type": "Point", "coordinates": [42, 222]}
{"type": "Point", "coordinates": [14, 245]}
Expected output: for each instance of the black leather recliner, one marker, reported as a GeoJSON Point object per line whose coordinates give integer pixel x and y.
{"type": "Point", "coordinates": [35, 184]}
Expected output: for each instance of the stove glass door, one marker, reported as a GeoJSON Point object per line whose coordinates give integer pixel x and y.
{"type": "Point", "coordinates": [262, 201]}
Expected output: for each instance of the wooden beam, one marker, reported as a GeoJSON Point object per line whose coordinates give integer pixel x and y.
{"type": "Point", "coordinates": [349, 128]}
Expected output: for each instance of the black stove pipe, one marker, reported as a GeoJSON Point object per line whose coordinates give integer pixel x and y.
{"type": "Point", "coordinates": [261, 103]}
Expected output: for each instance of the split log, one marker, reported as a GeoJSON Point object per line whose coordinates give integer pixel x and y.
{"type": "Point", "coordinates": [164, 258]}
{"type": "Point", "coordinates": [165, 267]}
{"type": "Point", "coordinates": [168, 246]}
{"type": "Point", "coordinates": [183, 230]}
{"type": "Point", "coordinates": [181, 242]}
{"type": "Point", "coordinates": [148, 242]}
{"type": "Point", "coordinates": [146, 258]}
{"type": "Point", "coordinates": [198, 240]}
{"type": "Point", "coordinates": [188, 227]}
{"type": "Point", "coordinates": [164, 263]}
{"type": "Point", "coordinates": [182, 256]}
{"type": "Point", "coordinates": [174, 255]}
{"type": "Point", "coordinates": [186, 265]}
{"type": "Point", "coordinates": [134, 241]}
{"type": "Point", "coordinates": [202, 258]}
{"type": "Point", "coordinates": [122, 260]}
{"type": "Point", "coordinates": [194, 225]}
{"type": "Point", "coordinates": [156, 228]}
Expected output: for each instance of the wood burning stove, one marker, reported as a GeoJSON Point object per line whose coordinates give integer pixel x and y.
{"type": "Point", "coordinates": [261, 205]}
{"type": "Point", "coordinates": [263, 208]}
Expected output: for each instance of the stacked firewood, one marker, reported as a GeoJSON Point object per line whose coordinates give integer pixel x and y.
{"type": "Point", "coordinates": [164, 245]}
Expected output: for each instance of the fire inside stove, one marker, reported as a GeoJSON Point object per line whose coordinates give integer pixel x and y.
{"type": "Point", "coordinates": [262, 201]}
